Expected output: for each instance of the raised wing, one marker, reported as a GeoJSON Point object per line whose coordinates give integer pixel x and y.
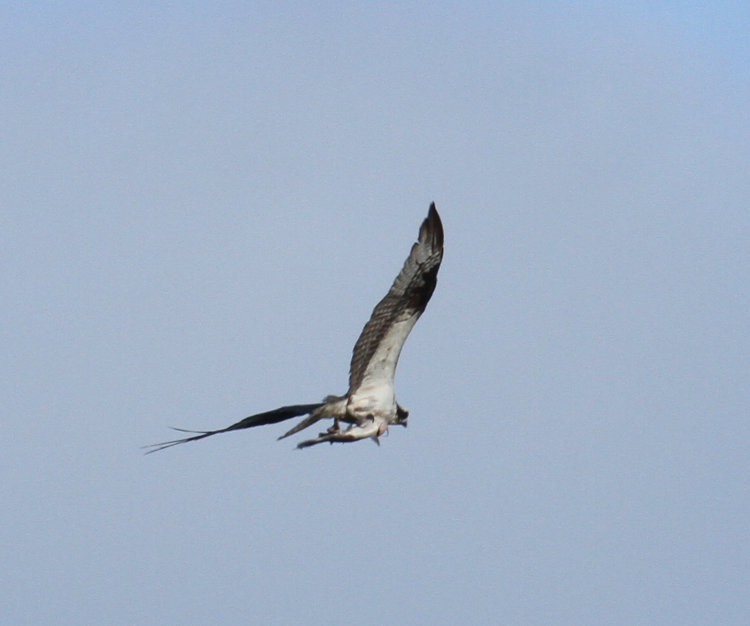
{"type": "Point", "coordinates": [377, 350]}
{"type": "Point", "coordinates": [261, 419]}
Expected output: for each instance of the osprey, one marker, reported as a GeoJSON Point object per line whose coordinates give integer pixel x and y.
{"type": "Point", "coordinates": [369, 406]}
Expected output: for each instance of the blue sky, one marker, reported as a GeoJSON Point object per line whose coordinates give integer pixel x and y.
{"type": "Point", "coordinates": [200, 206]}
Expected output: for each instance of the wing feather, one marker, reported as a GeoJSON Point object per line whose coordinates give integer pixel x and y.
{"type": "Point", "coordinates": [261, 419]}
{"type": "Point", "coordinates": [394, 316]}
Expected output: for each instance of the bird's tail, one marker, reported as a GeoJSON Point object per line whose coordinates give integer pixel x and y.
{"type": "Point", "coordinates": [331, 407]}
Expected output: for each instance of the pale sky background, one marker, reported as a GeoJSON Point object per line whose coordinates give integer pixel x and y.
{"type": "Point", "coordinates": [202, 202]}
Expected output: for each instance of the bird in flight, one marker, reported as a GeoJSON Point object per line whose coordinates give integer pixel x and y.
{"type": "Point", "coordinates": [369, 406]}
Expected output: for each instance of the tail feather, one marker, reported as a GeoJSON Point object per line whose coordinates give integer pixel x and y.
{"type": "Point", "coordinates": [331, 407]}
{"type": "Point", "coordinates": [308, 421]}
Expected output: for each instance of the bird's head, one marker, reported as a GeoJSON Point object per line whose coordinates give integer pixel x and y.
{"type": "Point", "coordinates": [402, 416]}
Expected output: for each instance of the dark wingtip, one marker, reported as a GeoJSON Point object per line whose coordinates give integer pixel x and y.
{"type": "Point", "coordinates": [433, 227]}
{"type": "Point", "coordinates": [157, 447]}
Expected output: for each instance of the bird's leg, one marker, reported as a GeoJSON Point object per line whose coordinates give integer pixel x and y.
{"type": "Point", "coordinates": [372, 427]}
